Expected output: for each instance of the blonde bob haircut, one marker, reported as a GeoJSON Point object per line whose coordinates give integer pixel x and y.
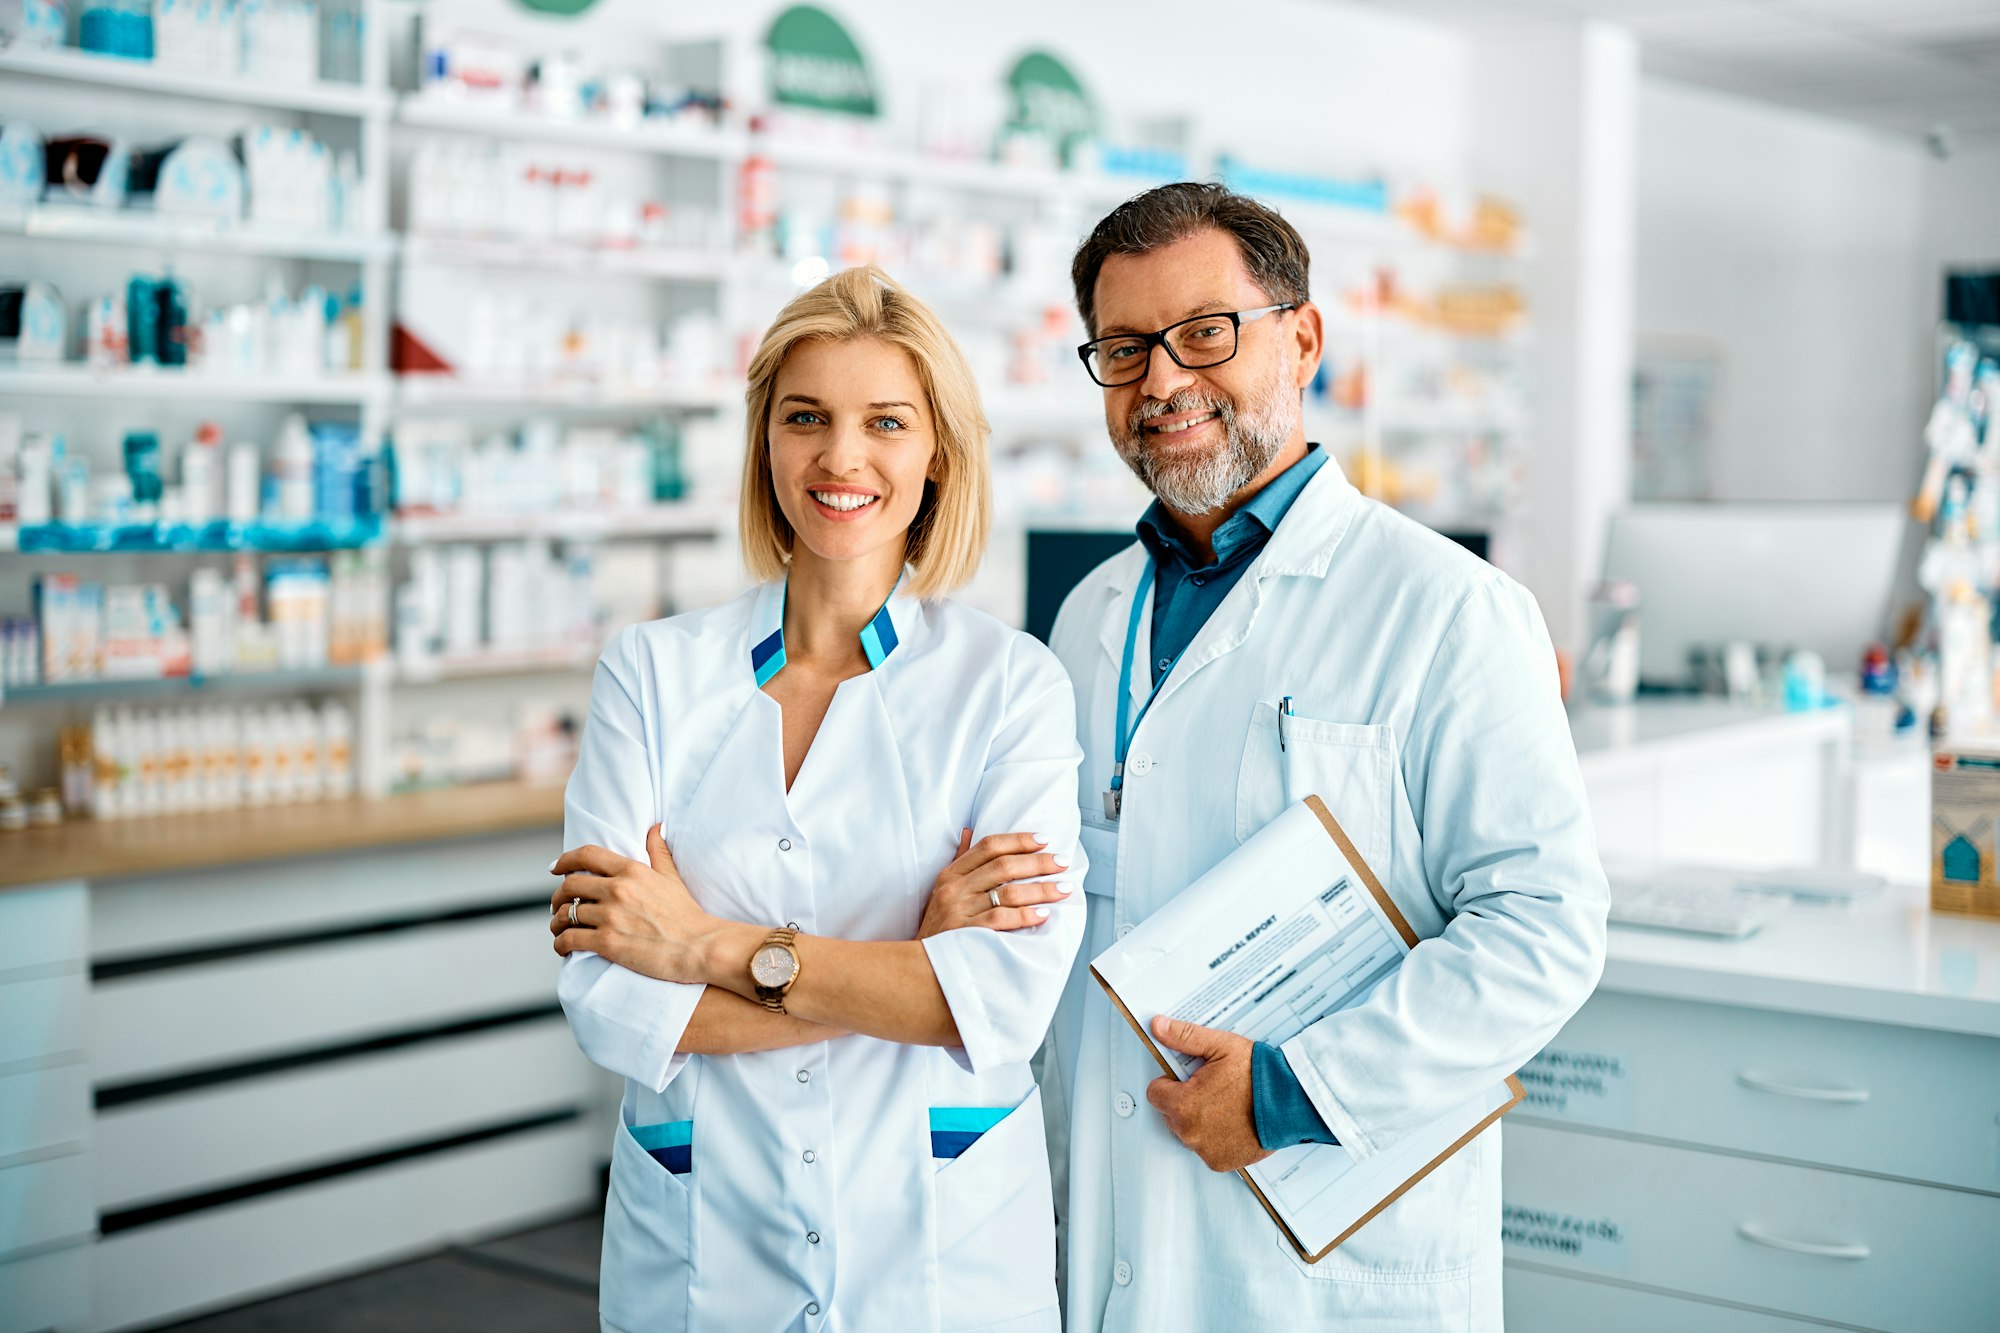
{"type": "Point", "coordinates": [947, 538]}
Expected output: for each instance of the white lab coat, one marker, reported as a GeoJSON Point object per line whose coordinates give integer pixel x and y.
{"type": "Point", "coordinates": [1428, 717]}
{"type": "Point", "coordinates": [813, 1201]}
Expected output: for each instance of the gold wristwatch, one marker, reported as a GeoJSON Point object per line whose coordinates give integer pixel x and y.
{"type": "Point", "coordinates": [773, 969]}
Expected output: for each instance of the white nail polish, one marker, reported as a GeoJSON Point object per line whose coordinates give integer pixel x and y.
{"type": "Point", "coordinates": [1060, 859]}
{"type": "Point", "coordinates": [552, 865]}
{"type": "Point", "coordinates": [1041, 839]}
{"type": "Point", "coordinates": [1041, 911]}
{"type": "Point", "coordinates": [1063, 886]}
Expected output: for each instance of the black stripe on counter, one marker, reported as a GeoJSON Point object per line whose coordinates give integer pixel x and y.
{"type": "Point", "coordinates": [123, 1094]}
{"type": "Point", "coordinates": [130, 967]}
{"type": "Point", "coordinates": [146, 1214]}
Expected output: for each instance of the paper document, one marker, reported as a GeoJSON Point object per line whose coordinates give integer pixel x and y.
{"type": "Point", "coordinates": [1291, 927]}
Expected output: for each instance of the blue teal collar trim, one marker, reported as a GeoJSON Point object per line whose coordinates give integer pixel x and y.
{"type": "Point", "coordinates": [878, 639]}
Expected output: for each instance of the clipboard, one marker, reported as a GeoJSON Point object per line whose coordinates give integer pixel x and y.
{"type": "Point", "coordinates": [1409, 937]}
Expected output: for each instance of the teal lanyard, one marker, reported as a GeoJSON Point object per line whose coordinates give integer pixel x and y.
{"type": "Point", "coordinates": [1127, 724]}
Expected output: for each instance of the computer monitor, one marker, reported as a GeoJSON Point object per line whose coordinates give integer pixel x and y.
{"type": "Point", "coordinates": [1817, 576]}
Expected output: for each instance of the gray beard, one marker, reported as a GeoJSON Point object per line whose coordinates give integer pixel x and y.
{"type": "Point", "coordinates": [1204, 483]}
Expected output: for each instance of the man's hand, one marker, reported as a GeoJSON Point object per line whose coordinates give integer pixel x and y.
{"type": "Point", "coordinates": [1210, 1113]}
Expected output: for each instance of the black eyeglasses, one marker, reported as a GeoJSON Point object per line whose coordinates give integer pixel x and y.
{"type": "Point", "coordinates": [1194, 344]}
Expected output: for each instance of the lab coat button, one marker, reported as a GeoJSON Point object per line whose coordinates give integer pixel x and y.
{"type": "Point", "coordinates": [1143, 763]}
{"type": "Point", "coordinates": [805, 1076]}
{"type": "Point", "coordinates": [1124, 1103]}
{"type": "Point", "coordinates": [812, 1237]}
{"type": "Point", "coordinates": [784, 844]}
{"type": "Point", "coordinates": [791, 925]}
{"type": "Point", "coordinates": [1124, 930]}
{"type": "Point", "coordinates": [1123, 1273]}
{"type": "Point", "coordinates": [1166, 662]}
{"type": "Point", "coordinates": [810, 1157]}
{"type": "Point", "coordinates": [812, 1307]}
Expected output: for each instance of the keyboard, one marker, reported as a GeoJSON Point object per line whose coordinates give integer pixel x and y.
{"type": "Point", "coordinates": [1695, 902]}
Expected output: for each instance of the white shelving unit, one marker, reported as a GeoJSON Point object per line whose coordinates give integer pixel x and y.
{"type": "Point", "coordinates": [153, 384]}
{"type": "Point", "coordinates": [318, 96]}
{"type": "Point", "coordinates": [83, 225]}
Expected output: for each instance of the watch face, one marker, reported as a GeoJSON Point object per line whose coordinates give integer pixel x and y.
{"type": "Point", "coordinates": [772, 965]}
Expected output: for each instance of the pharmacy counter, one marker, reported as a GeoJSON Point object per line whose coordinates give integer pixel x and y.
{"type": "Point", "coordinates": [88, 850]}
{"type": "Point", "coordinates": [1701, 780]}
{"type": "Point", "coordinates": [1768, 1134]}
{"type": "Point", "coordinates": [243, 1051]}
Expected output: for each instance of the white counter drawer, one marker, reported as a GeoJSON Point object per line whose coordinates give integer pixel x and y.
{"type": "Point", "coordinates": [1789, 1239]}
{"type": "Point", "coordinates": [45, 1291]}
{"type": "Point", "coordinates": [44, 1202]}
{"type": "Point", "coordinates": [44, 1108]}
{"type": "Point", "coordinates": [251, 1128]}
{"type": "Point", "coordinates": [1897, 1101]}
{"type": "Point", "coordinates": [1539, 1302]}
{"type": "Point", "coordinates": [43, 926]}
{"type": "Point", "coordinates": [44, 1017]}
{"type": "Point", "coordinates": [215, 1013]}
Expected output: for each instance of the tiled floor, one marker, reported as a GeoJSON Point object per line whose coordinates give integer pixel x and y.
{"type": "Point", "coordinates": [541, 1281]}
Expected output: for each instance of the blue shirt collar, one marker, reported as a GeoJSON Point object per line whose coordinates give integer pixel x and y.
{"type": "Point", "coordinates": [1249, 526]}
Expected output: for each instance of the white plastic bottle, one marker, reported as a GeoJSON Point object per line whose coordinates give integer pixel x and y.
{"type": "Point", "coordinates": [337, 750]}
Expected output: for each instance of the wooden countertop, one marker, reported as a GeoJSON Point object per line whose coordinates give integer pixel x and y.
{"type": "Point", "coordinates": [92, 850]}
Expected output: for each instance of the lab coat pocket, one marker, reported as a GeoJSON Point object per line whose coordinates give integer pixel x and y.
{"type": "Point", "coordinates": [1350, 766]}
{"type": "Point", "coordinates": [995, 1223]}
{"type": "Point", "coordinates": [648, 1240]}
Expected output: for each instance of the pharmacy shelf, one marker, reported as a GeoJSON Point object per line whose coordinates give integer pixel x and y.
{"type": "Point", "coordinates": [149, 538]}
{"type": "Point", "coordinates": [87, 691]}
{"type": "Point", "coordinates": [105, 226]}
{"type": "Point", "coordinates": [416, 391]}
{"type": "Point", "coordinates": [969, 175]}
{"type": "Point", "coordinates": [74, 380]}
{"type": "Point", "coordinates": [82, 67]}
{"type": "Point", "coordinates": [548, 256]}
{"type": "Point", "coordinates": [671, 139]}
{"type": "Point", "coordinates": [666, 520]}
{"type": "Point", "coordinates": [528, 662]}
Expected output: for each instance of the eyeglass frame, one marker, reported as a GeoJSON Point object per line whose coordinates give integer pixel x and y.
{"type": "Point", "coordinates": [1158, 338]}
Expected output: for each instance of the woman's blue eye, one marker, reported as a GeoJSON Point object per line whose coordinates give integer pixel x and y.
{"type": "Point", "coordinates": [889, 423]}
{"type": "Point", "coordinates": [800, 419]}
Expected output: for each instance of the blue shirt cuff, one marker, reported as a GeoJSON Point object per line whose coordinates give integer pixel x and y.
{"type": "Point", "coordinates": [1284, 1114]}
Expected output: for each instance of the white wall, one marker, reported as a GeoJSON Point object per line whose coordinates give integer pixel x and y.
{"type": "Point", "coordinates": [1962, 209]}
{"type": "Point", "coordinates": [1796, 247]}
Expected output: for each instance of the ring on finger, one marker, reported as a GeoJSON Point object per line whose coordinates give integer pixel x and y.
{"type": "Point", "coordinates": [572, 909]}
{"type": "Point", "coordinates": [994, 896]}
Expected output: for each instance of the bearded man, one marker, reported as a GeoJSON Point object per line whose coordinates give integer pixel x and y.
{"type": "Point", "coordinates": [1271, 634]}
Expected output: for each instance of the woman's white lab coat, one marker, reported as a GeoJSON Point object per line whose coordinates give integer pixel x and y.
{"type": "Point", "coordinates": [812, 1198]}
{"type": "Point", "coordinates": [1427, 716]}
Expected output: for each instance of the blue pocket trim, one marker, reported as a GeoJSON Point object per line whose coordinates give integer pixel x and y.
{"type": "Point", "coordinates": [671, 1144]}
{"type": "Point", "coordinates": [956, 1128]}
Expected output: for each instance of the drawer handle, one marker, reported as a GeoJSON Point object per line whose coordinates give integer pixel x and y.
{"type": "Point", "coordinates": [1759, 1236]}
{"type": "Point", "coordinates": [1844, 1096]}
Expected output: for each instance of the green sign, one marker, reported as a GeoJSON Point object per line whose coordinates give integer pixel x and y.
{"type": "Point", "coordinates": [560, 8]}
{"type": "Point", "coordinates": [814, 63]}
{"type": "Point", "coordinates": [1051, 101]}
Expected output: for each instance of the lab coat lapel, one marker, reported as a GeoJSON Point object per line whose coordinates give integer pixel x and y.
{"type": "Point", "coordinates": [1124, 579]}
{"type": "Point", "coordinates": [1302, 546]}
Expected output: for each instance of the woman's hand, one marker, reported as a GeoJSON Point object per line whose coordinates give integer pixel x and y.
{"type": "Point", "coordinates": [966, 890]}
{"type": "Point", "coordinates": [628, 912]}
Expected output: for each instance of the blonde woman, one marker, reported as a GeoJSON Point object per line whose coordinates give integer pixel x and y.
{"type": "Point", "coordinates": [829, 1120]}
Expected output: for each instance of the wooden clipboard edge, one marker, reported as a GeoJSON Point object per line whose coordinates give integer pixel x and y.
{"type": "Point", "coordinates": [1513, 1086]}
{"type": "Point", "coordinates": [1381, 895]}
{"type": "Point", "coordinates": [1139, 1028]}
